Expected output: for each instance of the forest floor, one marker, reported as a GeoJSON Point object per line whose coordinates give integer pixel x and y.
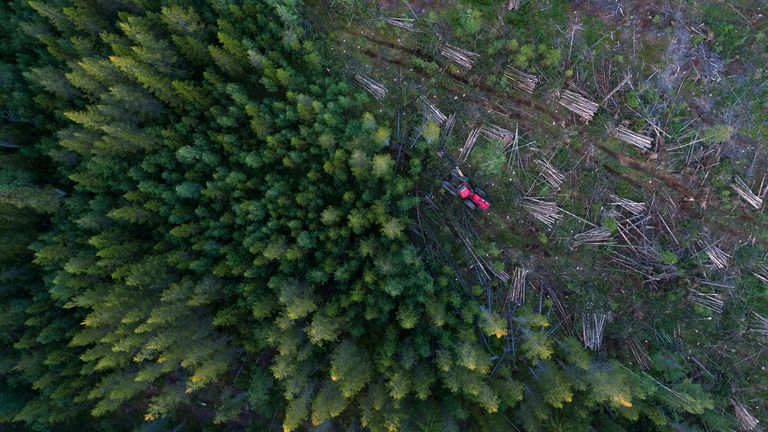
{"type": "Point", "coordinates": [683, 271]}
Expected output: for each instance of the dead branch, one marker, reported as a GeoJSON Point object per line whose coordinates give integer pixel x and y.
{"type": "Point", "coordinates": [514, 4]}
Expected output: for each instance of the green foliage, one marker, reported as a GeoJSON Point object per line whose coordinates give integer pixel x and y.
{"type": "Point", "coordinates": [201, 224]}
{"type": "Point", "coordinates": [719, 134]}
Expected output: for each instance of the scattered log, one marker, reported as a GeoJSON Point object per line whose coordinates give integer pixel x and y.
{"type": "Point", "coordinates": [460, 56]}
{"type": "Point", "coordinates": [8, 145]}
{"type": "Point", "coordinates": [578, 104]}
{"type": "Point", "coordinates": [377, 90]}
{"type": "Point", "coordinates": [514, 4]}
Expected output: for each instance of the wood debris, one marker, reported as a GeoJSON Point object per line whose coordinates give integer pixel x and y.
{"type": "Point", "coordinates": [716, 255]}
{"type": "Point", "coordinates": [546, 212]}
{"type": "Point", "coordinates": [469, 144]}
{"type": "Point", "coordinates": [628, 136]}
{"type": "Point", "coordinates": [377, 90]}
{"type": "Point", "coordinates": [745, 192]}
{"type": "Point", "coordinates": [578, 104]}
{"type": "Point", "coordinates": [517, 288]}
{"type": "Point", "coordinates": [514, 4]}
{"type": "Point", "coordinates": [431, 111]}
{"type": "Point", "coordinates": [550, 173]}
{"type": "Point", "coordinates": [640, 353]}
{"type": "Point", "coordinates": [460, 56]}
{"type": "Point", "coordinates": [747, 422]}
{"type": "Point", "coordinates": [760, 324]}
{"type": "Point", "coordinates": [592, 329]}
{"type": "Point", "coordinates": [403, 23]}
{"type": "Point", "coordinates": [520, 80]}
{"type": "Point", "coordinates": [713, 302]}
{"type": "Point", "coordinates": [633, 207]}
{"type": "Point", "coordinates": [594, 237]}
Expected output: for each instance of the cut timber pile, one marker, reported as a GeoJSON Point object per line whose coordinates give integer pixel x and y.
{"type": "Point", "coordinates": [633, 138]}
{"type": "Point", "coordinates": [545, 211]}
{"type": "Point", "coordinates": [431, 111]}
{"type": "Point", "coordinates": [747, 422]}
{"type": "Point", "coordinates": [403, 23]}
{"type": "Point", "coordinates": [633, 207]}
{"type": "Point", "coordinates": [446, 130]}
{"type": "Point", "coordinates": [716, 255]}
{"type": "Point", "coordinates": [517, 291]}
{"type": "Point", "coordinates": [640, 353]}
{"type": "Point", "coordinates": [520, 80]}
{"type": "Point", "coordinates": [497, 133]}
{"type": "Point", "coordinates": [469, 144]}
{"type": "Point", "coordinates": [760, 325]}
{"type": "Point", "coordinates": [377, 90]}
{"type": "Point", "coordinates": [745, 192]}
{"type": "Point", "coordinates": [460, 56]}
{"type": "Point", "coordinates": [596, 236]}
{"type": "Point", "coordinates": [578, 104]}
{"type": "Point", "coordinates": [712, 302]}
{"type": "Point", "coordinates": [552, 175]}
{"type": "Point", "coordinates": [592, 328]}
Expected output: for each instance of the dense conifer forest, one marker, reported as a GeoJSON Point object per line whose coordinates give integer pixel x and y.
{"type": "Point", "coordinates": [206, 224]}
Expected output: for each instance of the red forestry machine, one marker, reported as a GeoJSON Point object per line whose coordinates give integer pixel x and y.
{"type": "Point", "coordinates": [458, 185]}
